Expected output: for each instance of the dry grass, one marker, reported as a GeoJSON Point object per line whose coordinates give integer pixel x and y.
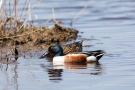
{"type": "Point", "coordinates": [14, 26]}
{"type": "Point", "coordinates": [15, 30]}
{"type": "Point", "coordinates": [13, 21]}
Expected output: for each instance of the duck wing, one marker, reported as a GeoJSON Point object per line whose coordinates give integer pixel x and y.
{"type": "Point", "coordinates": [97, 53]}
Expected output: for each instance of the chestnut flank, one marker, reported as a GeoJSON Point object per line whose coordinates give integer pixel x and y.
{"type": "Point", "coordinates": [75, 58]}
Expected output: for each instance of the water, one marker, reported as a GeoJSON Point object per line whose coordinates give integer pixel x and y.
{"type": "Point", "coordinates": [109, 24]}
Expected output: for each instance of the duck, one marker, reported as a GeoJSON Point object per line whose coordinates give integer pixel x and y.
{"type": "Point", "coordinates": [68, 48]}
{"type": "Point", "coordinates": [75, 57]}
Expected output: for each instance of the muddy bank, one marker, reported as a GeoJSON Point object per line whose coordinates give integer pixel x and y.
{"type": "Point", "coordinates": [39, 36]}
{"type": "Point", "coordinates": [36, 39]}
{"type": "Point", "coordinates": [17, 31]}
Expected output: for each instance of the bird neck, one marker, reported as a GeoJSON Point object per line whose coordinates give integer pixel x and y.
{"type": "Point", "coordinates": [60, 53]}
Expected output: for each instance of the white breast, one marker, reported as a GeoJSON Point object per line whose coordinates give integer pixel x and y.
{"type": "Point", "coordinates": [58, 60]}
{"type": "Point", "coordinates": [91, 59]}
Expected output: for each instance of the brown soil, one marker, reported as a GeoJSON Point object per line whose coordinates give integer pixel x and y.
{"type": "Point", "coordinates": [38, 38]}
{"type": "Point", "coordinates": [40, 35]}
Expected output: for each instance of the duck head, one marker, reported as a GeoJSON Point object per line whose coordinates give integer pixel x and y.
{"type": "Point", "coordinates": [55, 49]}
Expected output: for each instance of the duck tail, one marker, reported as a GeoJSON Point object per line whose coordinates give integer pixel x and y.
{"type": "Point", "coordinates": [99, 56]}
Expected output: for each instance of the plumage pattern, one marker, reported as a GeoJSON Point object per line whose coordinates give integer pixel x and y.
{"type": "Point", "coordinates": [76, 57]}
{"type": "Point", "coordinates": [73, 47]}
{"type": "Point", "coordinates": [68, 48]}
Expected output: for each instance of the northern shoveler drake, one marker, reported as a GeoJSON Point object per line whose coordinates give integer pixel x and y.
{"type": "Point", "coordinates": [68, 48]}
{"type": "Point", "coordinates": [76, 57]}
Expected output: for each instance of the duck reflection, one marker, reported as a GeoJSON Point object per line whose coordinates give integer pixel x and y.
{"type": "Point", "coordinates": [96, 68]}
{"type": "Point", "coordinates": [70, 66]}
{"type": "Point", "coordinates": [55, 72]}
{"type": "Point", "coordinates": [55, 75]}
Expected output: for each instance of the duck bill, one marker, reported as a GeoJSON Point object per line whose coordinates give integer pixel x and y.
{"type": "Point", "coordinates": [44, 55]}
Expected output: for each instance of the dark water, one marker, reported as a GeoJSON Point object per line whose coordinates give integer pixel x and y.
{"type": "Point", "coordinates": [105, 24]}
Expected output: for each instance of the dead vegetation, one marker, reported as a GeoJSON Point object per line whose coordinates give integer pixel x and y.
{"type": "Point", "coordinates": [39, 35]}
{"type": "Point", "coordinates": [15, 31]}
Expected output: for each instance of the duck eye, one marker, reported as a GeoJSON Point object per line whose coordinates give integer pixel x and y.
{"type": "Point", "coordinates": [50, 48]}
{"type": "Point", "coordinates": [54, 49]}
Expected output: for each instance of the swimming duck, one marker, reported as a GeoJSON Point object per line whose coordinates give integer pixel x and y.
{"type": "Point", "coordinates": [68, 48]}
{"type": "Point", "coordinates": [76, 57]}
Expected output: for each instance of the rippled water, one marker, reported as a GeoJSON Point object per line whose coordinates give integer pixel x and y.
{"type": "Point", "coordinates": [105, 24]}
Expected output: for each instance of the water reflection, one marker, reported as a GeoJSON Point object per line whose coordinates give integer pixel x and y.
{"type": "Point", "coordinates": [96, 68]}
{"type": "Point", "coordinates": [54, 75]}
{"type": "Point", "coordinates": [55, 72]}
{"type": "Point", "coordinates": [10, 76]}
{"type": "Point", "coordinates": [94, 65]}
{"type": "Point", "coordinates": [70, 66]}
